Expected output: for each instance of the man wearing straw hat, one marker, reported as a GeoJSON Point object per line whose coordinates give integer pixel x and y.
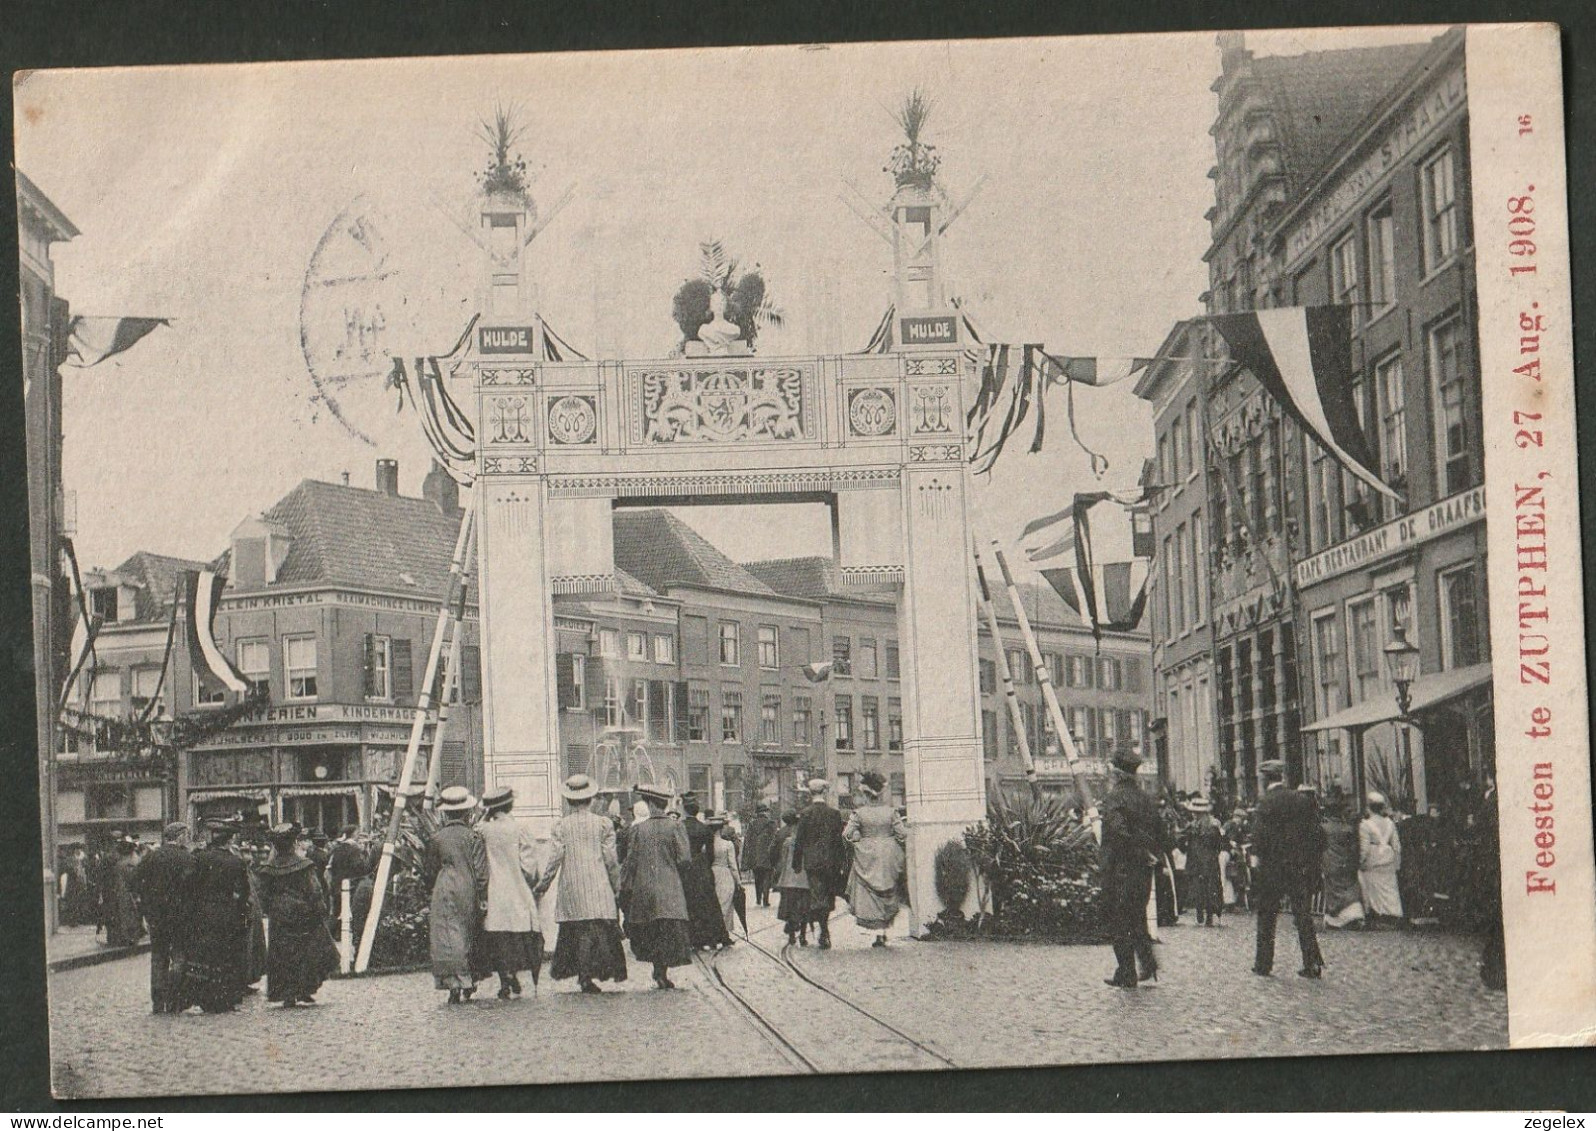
{"type": "Point", "coordinates": [583, 857]}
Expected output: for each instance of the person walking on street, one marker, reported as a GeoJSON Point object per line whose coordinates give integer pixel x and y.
{"type": "Point", "coordinates": [761, 832]}
{"type": "Point", "coordinates": [706, 926]}
{"type": "Point", "coordinates": [651, 885]}
{"type": "Point", "coordinates": [300, 954]}
{"type": "Point", "coordinates": [583, 857]}
{"type": "Point", "coordinates": [792, 886]}
{"type": "Point", "coordinates": [1343, 899]}
{"type": "Point", "coordinates": [726, 868]}
{"type": "Point", "coordinates": [346, 860]}
{"type": "Point", "coordinates": [877, 834]}
{"type": "Point", "coordinates": [1288, 843]}
{"type": "Point", "coordinates": [510, 936]}
{"type": "Point", "coordinates": [455, 863]}
{"type": "Point", "coordinates": [1205, 840]}
{"type": "Point", "coordinates": [1133, 838]}
{"type": "Point", "coordinates": [1379, 861]}
{"type": "Point", "coordinates": [819, 852]}
{"type": "Point", "coordinates": [123, 926]}
{"type": "Point", "coordinates": [216, 936]}
{"type": "Point", "coordinates": [162, 882]}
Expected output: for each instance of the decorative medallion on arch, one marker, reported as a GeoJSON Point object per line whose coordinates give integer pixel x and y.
{"type": "Point", "coordinates": [573, 419]}
{"type": "Point", "coordinates": [509, 420]}
{"type": "Point", "coordinates": [932, 410]}
{"type": "Point", "coordinates": [718, 404]}
{"type": "Point", "coordinates": [872, 412]}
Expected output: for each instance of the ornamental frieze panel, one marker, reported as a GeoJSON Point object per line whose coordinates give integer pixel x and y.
{"type": "Point", "coordinates": [510, 465]}
{"type": "Point", "coordinates": [496, 376]}
{"type": "Point", "coordinates": [722, 404]}
{"type": "Point", "coordinates": [872, 412]}
{"type": "Point", "coordinates": [931, 366]}
{"type": "Point", "coordinates": [935, 453]}
{"type": "Point", "coordinates": [509, 419]}
{"type": "Point", "coordinates": [727, 483]}
{"type": "Point", "coordinates": [931, 410]}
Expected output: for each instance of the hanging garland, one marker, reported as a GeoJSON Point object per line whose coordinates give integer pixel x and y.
{"type": "Point", "coordinates": [156, 743]}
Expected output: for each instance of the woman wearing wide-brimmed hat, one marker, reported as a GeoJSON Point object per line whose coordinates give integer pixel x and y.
{"type": "Point", "coordinates": [651, 883]}
{"type": "Point", "coordinates": [216, 944]}
{"type": "Point", "coordinates": [511, 941]}
{"type": "Point", "coordinates": [583, 857]}
{"type": "Point", "coordinates": [725, 868]}
{"type": "Point", "coordinates": [706, 926]}
{"type": "Point", "coordinates": [877, 834]}
{"type": "Point", "coordinates": [1205, 840]}
{"type": "Point", "coordinates": [300, 954]}
{"type": "Point", "coordinates": [456, 864]}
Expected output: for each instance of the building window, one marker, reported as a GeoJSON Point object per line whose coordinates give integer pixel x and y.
{"type": "Point", "coordinates": [894, 724]}
{"type": "Point", "coordinates": [108, 802]}
{"type": "Point", "coordinates": [637, 703]}
{"type": "Point", "coordinates": [870, 722]}
{"type": "Point", "coordinates": [578, 681]}
{"type": "Point", "coordinates": [637, 646]}
{"type": "Point", "coordinates": [1364, 633]}
{"type": "Point", "coordinates": [988, 671]}
{"type": "Point", "coordinates": [1344, 270]}
{"type": "Point", "coordinates": [1133, 674]}
{"type": "Point", "coordinates": [989, 735]}
{"type": "Point", "coordinates": [1382, 256]}
{"type": "Point", "coordinates": [1108, 674]}
{"type": "Point", "coordinates": [664, 649]}
{"type": "Point", "coordinates": [731, 715]}
{"type": "Point", "coordinates": [612, 701]}
{"type": "Point", "coordinates": [802, 715]}
{"type": "Point", "coordinates": [1164, 473]}
{"type": "Point", "coordinates": [1454, 464]}
{"type": "Point", "coordinates": [841, 656]}
{"type": "Point", "coordinates": [868, 668]}
{"type": "Point", "coordinates": [1177, 450]}
{"type": "Point", "coordinates": [609, 643]}
{"type": "Point", "coordinates": [698, 783]}
{"type": "Point", "coordinates": [1079, 671]}
{"type": "Point", "coordinates": [1080, 732]}
{"type": "Point", "coordinates": [1323, 511]}
{"type": "Point", "coordinates": [698, 714]}
{"type": "Point", "coordinates": [207, 693]}
{"type": "Point", "coordinates": [255, 665]}
{"type": "Point", "coordinates": [103, 603]}
{"type": "Point", "coordinates": [379, 667]}
{"type": "Point", "coordinates": [1440, 210]}
{"type": "Point", "coordinates": [770, 720]}
{"type": "Point", "coordinates": [1019, 671]}
{"type": "Point", "coordinates": [769, 652]}
{"type": "Point", "coordinates": [148, 692]}
{"type": "Point", "coordinates": [1108, 720]}
{"type": "Point", "coordinates": [1392, 407]}
{"type": "Point", "coordinates": [299, 665]}
{"type": "Point", "coordinates": [728, 643]}
{"type": "Point", "coordinates": [736, 787]}
{"type": "Point", "coordinates": [892, 660]}
{"type": "Point", "coordinates": [105, 700]}
{"type": "Point", "coordinates": [1327, 664]}
{"type": "Point", "coordinates": [1178, 580]}
{"type": "Point", "coordinates": [1462, 638]}
{"type": "Point", "coordinates": [1198, 571]}
{"type": "Point", "coordinates": [844, 722]}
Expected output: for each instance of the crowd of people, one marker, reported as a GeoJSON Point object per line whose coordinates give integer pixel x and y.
{"type": "Point", "coordinates": [665, 883]}
{"type": "Point", "coordinates": [1360, 868]}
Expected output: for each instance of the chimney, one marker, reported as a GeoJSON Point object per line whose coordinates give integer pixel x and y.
{"type": "Point", "coordinates": [388, 476]}
{"type": "Point", "coordinates": [345, 476]}
{"type": "Point", "coordinates": [440, 489]}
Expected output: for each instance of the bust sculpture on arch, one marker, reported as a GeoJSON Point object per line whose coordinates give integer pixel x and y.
{"type": "Point", "coordinates": [720, 336]}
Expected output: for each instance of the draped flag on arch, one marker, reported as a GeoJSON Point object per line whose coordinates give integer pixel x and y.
{"type": "Point", "coordinates": [1097, 555]}
{"type": "Point", "coordinates": [1302, 356]}
{"type": "Point", "coordinates": [202, 596]}
{"type": "Point", "coordinates": [93, 339]}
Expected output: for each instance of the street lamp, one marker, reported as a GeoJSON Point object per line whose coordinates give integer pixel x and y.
{"type": "Point", "coordinates": [1402, 664]}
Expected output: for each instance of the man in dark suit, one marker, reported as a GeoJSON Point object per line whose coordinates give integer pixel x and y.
{"type": "Point", "coordinates": [163, 881]}
{"type": "Point", "coordinates": [819, 852]}
{"type": "Point", "coordinates": [1133, 838]}
{"type": "Point", "coordinates": [756, 848]}
{"type": "Point", "coordinates": [346, 861]}
{"type": "Point", "coordinates": [1288, 842]}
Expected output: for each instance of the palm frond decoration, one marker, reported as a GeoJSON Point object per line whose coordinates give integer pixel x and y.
{"type": "Point", "coordinates": [506, 170]}
{"type": "Point", "coordinates": [914, 162]}
{"type": "Point", "coordinates": [748, 302]}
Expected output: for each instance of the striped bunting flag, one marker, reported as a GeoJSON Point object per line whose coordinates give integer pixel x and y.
{"type": "Point", "coordinates": [1302, 356]}
{"type": "Point", "coordinates": [202, 595]}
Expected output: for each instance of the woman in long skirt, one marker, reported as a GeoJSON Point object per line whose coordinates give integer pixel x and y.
{"type": "Point", "coordinates": [510, 936]}
{"type": "Point", "coordinates": [216, 946]}
{"type": "Point", "coordinates": [583, 857]}
{"type": "Point", "coordinates": [724, 868]}
{"type": "Point", "coordinates": [651, 882]}
{"type": "Point", "coordinates": [123, 924]}
{"type": "Point", "coordinates": [300, 953]}
{"type": "Point", "coordinates": [1343, 899]}
{"type": "Point", "coordinates": [877, 834]}
{"type": "Point", "coordinates": [1379, 860]}
{"type": "Point", "coordinates": [706, 927]}
{"type": "Point", "coordinates": [456, 862]}
{"type": "Point", "coordinates": [1205, 842]}
{"type": "Point", "coordinates": [792, 884]}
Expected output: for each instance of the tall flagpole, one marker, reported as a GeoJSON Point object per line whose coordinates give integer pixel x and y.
{"type": "Point", "coordinates": [451, 682]}
{"type": "Point", "coordinates": [1002, 663]}
{"type": "Point", "coordinates": [417, 726]}
{"type": "Point", "coordinates": [1045, 678]}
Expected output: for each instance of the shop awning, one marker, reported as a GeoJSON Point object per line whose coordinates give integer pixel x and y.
{"type": "Point", "coordinates": [1429, 691]}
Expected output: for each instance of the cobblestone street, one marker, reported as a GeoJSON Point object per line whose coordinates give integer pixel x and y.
{"type": "Point", "coordinates": [914, 1006]}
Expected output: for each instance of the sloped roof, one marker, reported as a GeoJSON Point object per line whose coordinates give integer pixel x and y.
{"type": "Point", "coordinates": [364, 539]}
{"type": "Point", "coordinates": [154, 581]}
{"type": "Point", "coordinates": [1320, 98]}
{"type": "Point", "coordinates": [660, 550]}
{"type": "Point", "coordinates": [813, 578]}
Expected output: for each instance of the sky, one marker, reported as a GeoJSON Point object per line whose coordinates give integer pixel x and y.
{"type": "Point", "coordinates": [202, 194]}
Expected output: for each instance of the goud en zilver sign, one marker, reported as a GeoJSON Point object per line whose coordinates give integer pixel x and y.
{"type": "Point", "coordinates": [1394, 536]}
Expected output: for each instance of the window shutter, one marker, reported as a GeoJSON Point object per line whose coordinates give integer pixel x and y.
{"type": "Point", "coordinates": [370, 669]}
{"type": "Point", "coordinates": [595, 683]}
{"type": "Point", "coordinates": [471, 673]}
{"type": "Point", "coordinates": [403, 673]}
{"type": "Point", "coordinates": [679, 695]}
{"type": "Point", "coordinates": [656, 710]}
{"type": "Point", "coordinates": [565, 680]}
